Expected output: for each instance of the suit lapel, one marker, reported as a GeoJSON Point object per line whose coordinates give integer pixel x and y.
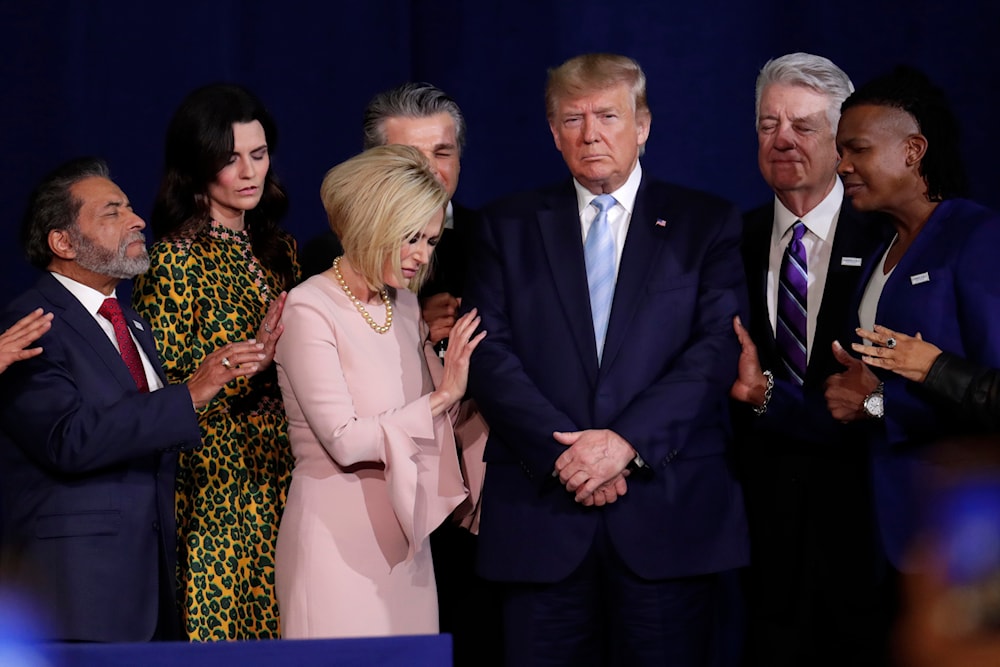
{"type": "Point", "coordinates": [756, 254]}
{"type": "Point", "coordinates": [643, 245]}
{"type": "Point", "coordinates": [855, 239]}
{"type": "Point", "coordinates": [74, 315]}
{"type": "Point", "coordinates": [559, 226]}
{"type": "Point", "coordinates": [912, 263]}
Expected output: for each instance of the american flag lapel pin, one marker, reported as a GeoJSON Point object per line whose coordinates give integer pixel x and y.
{"type": "Point", "coordinates": [660, 222]}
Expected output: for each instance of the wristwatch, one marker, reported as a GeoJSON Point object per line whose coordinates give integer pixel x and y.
{"type": "Point", "coordinates": [874, 403]}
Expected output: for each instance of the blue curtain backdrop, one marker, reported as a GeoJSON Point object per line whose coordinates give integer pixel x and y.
{"type": "Point", "coordinates": [103, 76]}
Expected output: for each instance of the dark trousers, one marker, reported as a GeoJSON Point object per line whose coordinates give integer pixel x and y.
{"type": "Point", "coordinates": [819, 591]}
{"type": "Point", "coordinates": [469, 606]}
{"type": "Point", "coordinates": [168, 619]}
{"type": "Point", "coordinates": [604, 615]}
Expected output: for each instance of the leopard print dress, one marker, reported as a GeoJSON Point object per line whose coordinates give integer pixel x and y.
{"type": "Point", "coordinates": [198, 295]}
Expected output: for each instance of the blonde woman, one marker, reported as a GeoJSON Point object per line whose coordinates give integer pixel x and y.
{"type": "Point", "coordinates": [376, 468]}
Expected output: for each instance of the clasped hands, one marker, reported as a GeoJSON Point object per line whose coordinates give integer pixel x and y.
{"type": "Point", "coordinates": [594, 466]}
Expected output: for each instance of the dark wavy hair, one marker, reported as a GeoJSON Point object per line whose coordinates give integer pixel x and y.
{"type": "Point", "coordinates": [52, 206]}
{"type": "Point", "coordinates": [911, 90]}
{"type": "Point", "coordinates": [199, 144]}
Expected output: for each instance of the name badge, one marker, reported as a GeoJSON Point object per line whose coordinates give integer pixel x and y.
{"type": "Point", "coordinates": [920, 278]}
{"type": "Point", "coordinates": [137, 325]}
{"type": "Point", "coordinates": [850, 261]}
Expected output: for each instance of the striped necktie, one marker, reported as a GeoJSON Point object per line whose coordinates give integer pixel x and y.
{"type": "Point", "coordinates": [793, 286]}
{"type": "Point", "coordinates": [599, 254]}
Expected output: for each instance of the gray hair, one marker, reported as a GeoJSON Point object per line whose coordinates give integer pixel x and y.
{"type": "Point", "coordinates": [409, 100]}
{"type": "Point", "coordinates": [817, 73]}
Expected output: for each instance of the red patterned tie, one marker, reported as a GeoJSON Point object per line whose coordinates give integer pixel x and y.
{"type": "Point", "coordinates": [112, 310]}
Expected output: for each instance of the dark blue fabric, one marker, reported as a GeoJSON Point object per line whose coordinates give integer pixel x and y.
{"type": "Point", "coordinates": [104, 77]}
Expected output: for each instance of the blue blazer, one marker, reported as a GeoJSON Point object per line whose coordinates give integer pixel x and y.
{"type": "Point", "coordinates": [87, 469]}
{"type": "Point", "coordinates": [945, 286]}
{"type": "Point", "coordinates": [669, 360]}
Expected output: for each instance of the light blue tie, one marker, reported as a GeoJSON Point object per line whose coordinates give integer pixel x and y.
{"type": "Point", "coordinates": [599, 254]}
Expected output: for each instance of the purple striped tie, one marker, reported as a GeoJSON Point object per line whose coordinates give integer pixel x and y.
{"type": "Point", "coordinates": [793, 286]}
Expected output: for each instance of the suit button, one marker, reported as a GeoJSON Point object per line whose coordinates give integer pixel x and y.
{"type": "Point", "coordinates": [156, 526]}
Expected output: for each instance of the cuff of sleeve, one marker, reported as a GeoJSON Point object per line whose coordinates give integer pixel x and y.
{"type": "Point", "coordinates": [950, 376]}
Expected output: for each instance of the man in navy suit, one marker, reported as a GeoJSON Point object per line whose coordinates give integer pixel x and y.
{"type": "Point", "coordinates": [89, 428]}
{"type": "Point", "coordinates": [609, 505]}
{"type": "Point", "coordinates": [814, 595]}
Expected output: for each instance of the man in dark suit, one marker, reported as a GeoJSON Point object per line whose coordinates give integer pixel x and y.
{"type": "Point", "coordinates": [425, 117]}
{"type": "Point", "coordinates": [814, 593]}
{"type": "Point", "coordinates": [609, 505]}
{"type": "Point", "coordinates": [89, 428]}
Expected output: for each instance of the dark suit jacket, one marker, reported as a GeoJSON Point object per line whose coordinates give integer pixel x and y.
{"type": "Point", "coordinates": [669, 360]}
{"type": "Point", "coordinates": [87, 474]}
{"type": "Point", "coordinates": [815, 593]}
{"type": "Point", "coordinates": [798, 415]}
{"type": "Point", "coordinates": [945, 286]}
{"type": "Point", "coordinates": [451, 255]}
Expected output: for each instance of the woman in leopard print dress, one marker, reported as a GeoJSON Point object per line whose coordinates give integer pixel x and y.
{"type": "Point", "coordinates": [218, 273]}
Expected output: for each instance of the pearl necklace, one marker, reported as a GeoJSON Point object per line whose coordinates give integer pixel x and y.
{"type": "Point", "coordinates": [383, 294]}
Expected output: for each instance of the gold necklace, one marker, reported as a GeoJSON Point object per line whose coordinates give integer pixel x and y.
{"type": "Point", "coordinates": [383, 294]}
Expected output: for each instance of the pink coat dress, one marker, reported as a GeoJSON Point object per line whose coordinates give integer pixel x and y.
{"type": "Point", "coordinates": [374, 472]}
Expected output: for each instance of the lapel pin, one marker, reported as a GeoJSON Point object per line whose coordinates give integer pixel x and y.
{"type": "Point", "coordinates": [920, 278]}
{"type": "Point", "coordinates": [850, 261]}
{"type": "Point", "coordinates": [137, 325]}
{"type": "Point", "coordinates": [660, 222]}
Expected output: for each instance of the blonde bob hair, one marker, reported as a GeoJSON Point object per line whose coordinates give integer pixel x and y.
{"type": "Point", "coordinates": [377, 201]}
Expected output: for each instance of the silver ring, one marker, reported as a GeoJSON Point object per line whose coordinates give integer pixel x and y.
{"type": "Point", "coordinates": [890, 342]}
{"type": "Point", "coordinates": [268, 328]}
{"type": "Point", "coordinates": [226, 363]}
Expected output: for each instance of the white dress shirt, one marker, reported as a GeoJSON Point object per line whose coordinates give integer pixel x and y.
{"type": "Point", "coordinates": [619, 215]}
{"type": "Point", "coordinates": [821, 226]}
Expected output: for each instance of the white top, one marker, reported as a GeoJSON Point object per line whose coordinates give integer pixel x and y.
{"type": "Point", "coordinates": [821, 226]}
{"type": "Point", "coordinates": [619, 215]}
{"type": "Point", "coordinates": [868, 309]}
{"type": "Point", "coordinates": [91, 300]}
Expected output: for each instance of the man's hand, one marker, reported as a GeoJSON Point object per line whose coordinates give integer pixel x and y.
{"type": "Point", "coordinates": [846, 392]}
{"type": "Point", "coordinates": [594, 457]}
{"type": "Point", "coordinates": [439, 313]}
{"type": "Point", "coordinates": [751, 383]}
{"type": "Point", "coordinates": [608, 492]}
{"type": "Point", "coordinates": [222, 367]}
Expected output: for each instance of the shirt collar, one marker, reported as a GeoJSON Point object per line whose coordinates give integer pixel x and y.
{"type": "Point", "coordinates": [449, 216]}
{"type": "Point", "coordinates": [90, 298]}
{"type": "Point", "coordinates": [819, 220]}
{"type": "Point", "coordinates": [625, 195]}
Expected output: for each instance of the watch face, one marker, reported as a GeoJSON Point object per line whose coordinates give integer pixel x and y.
{"type": "Point", "coordinates": [874, 405]}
